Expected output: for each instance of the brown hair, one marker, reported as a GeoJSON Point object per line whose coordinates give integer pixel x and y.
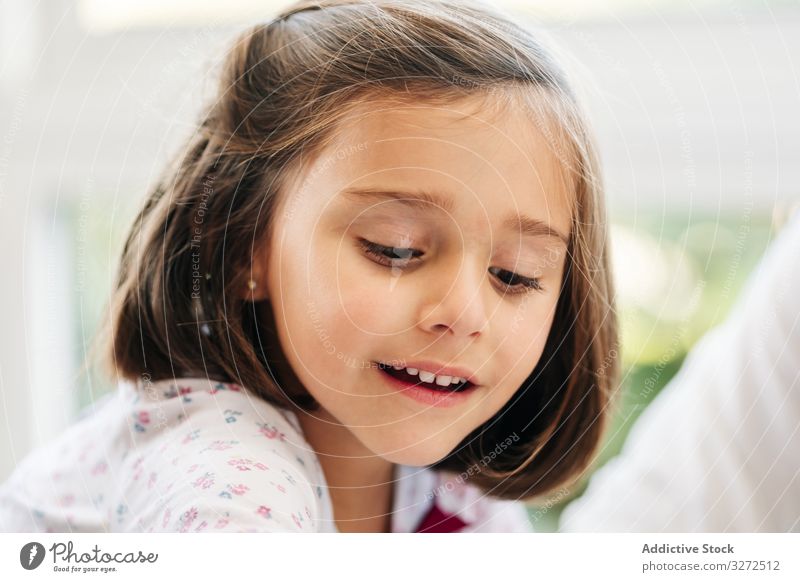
{"type": "Point", "coordinates": [178, 310]}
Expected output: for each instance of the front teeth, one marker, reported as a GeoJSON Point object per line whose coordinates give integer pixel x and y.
{"type": "Point", "coordinates": [426, 376]}
{"type": "Point", "coordinates": [430, 378]}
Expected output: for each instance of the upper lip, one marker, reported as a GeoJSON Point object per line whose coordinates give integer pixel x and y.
{"type": "Point", "coordinates": [436, 368]}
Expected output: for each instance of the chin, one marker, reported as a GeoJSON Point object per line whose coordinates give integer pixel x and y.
{"type": "Point", "coordinates": [417, 453]}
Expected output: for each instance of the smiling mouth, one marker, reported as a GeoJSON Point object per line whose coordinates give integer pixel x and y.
{"type": "Point", "coordinates": [412, 380]}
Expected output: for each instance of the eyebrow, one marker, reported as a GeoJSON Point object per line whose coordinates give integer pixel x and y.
{"type": "Point", "coordinates": [422, 200]}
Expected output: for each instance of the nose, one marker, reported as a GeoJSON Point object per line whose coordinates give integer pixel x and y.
{"type": "Point", "coordinates": [455, 303]}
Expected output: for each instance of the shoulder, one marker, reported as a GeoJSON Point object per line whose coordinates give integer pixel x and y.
{"type": "Point", "coordinates": [222, 459]}
{"type": "Point", "coordinates": [57, 485]}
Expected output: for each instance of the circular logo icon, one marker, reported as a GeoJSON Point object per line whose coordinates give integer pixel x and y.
{"type": "Point", "coordinates": [31, 555]}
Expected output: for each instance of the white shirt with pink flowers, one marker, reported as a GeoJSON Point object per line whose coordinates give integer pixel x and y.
{"type": "Point", "coordinates": [194, 455]}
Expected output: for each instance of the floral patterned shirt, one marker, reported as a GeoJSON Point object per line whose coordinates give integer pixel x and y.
{"type": "Point", "coordinates": [195, 455]}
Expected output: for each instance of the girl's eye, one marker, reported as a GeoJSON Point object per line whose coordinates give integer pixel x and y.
{"type": "Point", "coordinates": [401, 256]}
{"type": "Point", "coordinates": [516, 283]}
{"type": "Point", "coordinates": [390, 256]}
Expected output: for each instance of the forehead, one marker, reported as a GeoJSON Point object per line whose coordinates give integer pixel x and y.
{"type": "Point", "coordinates": [490, 160]}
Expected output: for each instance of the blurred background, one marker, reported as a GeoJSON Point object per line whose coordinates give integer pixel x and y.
{"type": "Point", "coordinates": [695, 105]}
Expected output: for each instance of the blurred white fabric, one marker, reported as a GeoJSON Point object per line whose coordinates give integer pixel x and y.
{"type": "Point", "coordinates": [719, 449]}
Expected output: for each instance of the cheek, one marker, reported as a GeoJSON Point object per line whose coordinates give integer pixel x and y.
{"type": "Point", "coordinates": [365, 297]}
{"type": "Point", "coordinates": [336, 305]}
{"type": "Point", "coordinates": [524, 342]}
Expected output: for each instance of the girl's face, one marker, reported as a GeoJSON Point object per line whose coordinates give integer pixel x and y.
{"type": "Point", "coordinates": [362, 269]}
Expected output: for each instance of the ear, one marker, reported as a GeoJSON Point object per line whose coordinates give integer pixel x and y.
{"type": "Point", "coordinates": [255, 285]}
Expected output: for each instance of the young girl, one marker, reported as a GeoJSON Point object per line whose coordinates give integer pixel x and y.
{"type": "Point", "coordinates": [372, 295]}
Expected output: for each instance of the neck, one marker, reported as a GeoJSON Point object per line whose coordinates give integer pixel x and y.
{"type": "Point", "coordinates": [360, 483]}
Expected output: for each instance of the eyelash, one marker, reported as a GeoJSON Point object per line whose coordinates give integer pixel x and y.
{"type": "Point", "coordinates": [375, 250]}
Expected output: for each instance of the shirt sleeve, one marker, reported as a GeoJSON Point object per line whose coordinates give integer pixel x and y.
{"type": "Point", "coordinates": [208, 475]}
{"type": "Point", "coordinates": [264, 494]}
{"type": "Point", "coordinates": [719, 448]}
